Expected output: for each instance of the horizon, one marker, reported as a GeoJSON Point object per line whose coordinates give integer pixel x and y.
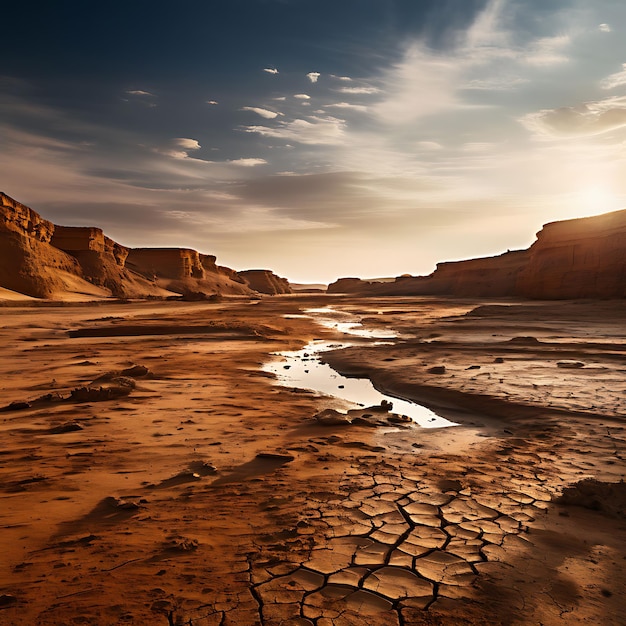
{"type": "Point", "coordinates": [375, 138]}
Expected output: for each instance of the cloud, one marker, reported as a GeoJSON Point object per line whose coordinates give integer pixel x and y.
{"type": "Point", "coordinates": [615, 80]}
{"type": "Point", "coordinates": [495, 83]}
{"type": "Point", "coordinates": [347, 105]}
{"type": "Point", "coordinates": [312, 131]}
{"type": "Point", "coordinates": [604, 28]}
{"type": "Point", "coordinates": [180, 147]}
{"type": "Point", "coordinates": [359, 90]}
{"type": "Point", "coordinates": [313, 76]}
{"type": "Point", "coordinates": [302, 96]}
{"type": "Point", "coordinates": [343, 78]}
{"type": "Point", "coordinates": [270, 70]}
{"type": "Point", "coordinates": [139, 92]}
{"type": "Point", "coordinates": [588, 119]}
{"type": "Point", "coordinates": [428, 145]}
{"type": "Point", "coordinates": [248, 162]}
{"type": "Point", "coordinates": [266, 113]}
{"type": "Point", "coordinates": [212, 102]}
{"type": "Point", "coordinates": [548, 51]}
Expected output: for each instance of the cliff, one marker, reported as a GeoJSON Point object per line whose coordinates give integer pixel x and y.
{"type": "Point", "coordinates": [43, 260]}
{"type": "Point", "coordinates": [579, 258]}
{"type": "Point", "coordinates": [185, 271]}
{"type": "Point", "coordinates": [583, 258]}
{"type": "Point", "coordinates": [265, 281]}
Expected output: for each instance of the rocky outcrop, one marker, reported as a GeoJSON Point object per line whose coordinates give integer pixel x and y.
{"type": "Point", "coordinates": [186, 271]}
{"type": "Point", "coordinates": [349, 285]}
{"type": "Point", "coordinates": [176, 263]}
{"type": "Point", "coordinates": [580, 258]}
{"type": "Point", "coordinates": [265, 281]}
{"type": "Point", "coordinates": [18, 218]}
{"type": "Point", "coordinates": [40, 259]}
{"type": "Point", "coordinates": [28, 263]}
{"type": "Point", "coordinates": [583, 258]}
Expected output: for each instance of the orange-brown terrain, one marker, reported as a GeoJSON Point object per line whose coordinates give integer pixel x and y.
{"type": "Point", "coordinates": [152, 473]}
{"type": "Point", "coordinates": [159, 465]}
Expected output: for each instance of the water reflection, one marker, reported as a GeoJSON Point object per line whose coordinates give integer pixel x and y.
{"type": "Point", "coordinates": [304, 369]}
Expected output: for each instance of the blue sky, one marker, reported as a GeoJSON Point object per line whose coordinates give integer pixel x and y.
{"type": "Point", "coordinates": [319, 139]}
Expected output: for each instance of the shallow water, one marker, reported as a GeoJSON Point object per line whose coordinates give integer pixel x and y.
{"type": "Point", "coordinates": [303, 369]}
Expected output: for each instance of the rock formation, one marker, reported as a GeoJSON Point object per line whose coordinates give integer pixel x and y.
{"type": "Point", "coordinates": [28, 263]}
{"type": "Point", "coordinates": [265, 281]}
{"type": "Point", "coordinates": [579, 258]}
{"type": "Point", "coordinates": [40, 259]}
{"type": "Point", "coordinates": [582, 258]}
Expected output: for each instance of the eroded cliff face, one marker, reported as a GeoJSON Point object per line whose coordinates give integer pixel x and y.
{"type": "Point", "coordinates": [18, 218]}
{"type": "Point", "coordinates": [28, 263]}
{"type": "Point", "coordinates": [43, 260]}
{"type": "Point", "coordinates": [186, 271]}
{"type": "Point", "coordinates": [265, 281]}
{"type": "Point", "coordinates": [580, 258]}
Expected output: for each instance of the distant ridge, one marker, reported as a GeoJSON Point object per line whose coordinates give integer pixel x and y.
{"type": "Point", "coordinates": [42, 260]}
{"type": "Point", "coordinates": [578, 258]}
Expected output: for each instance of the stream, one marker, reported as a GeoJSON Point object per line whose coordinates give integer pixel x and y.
{"type": "Point", "coordinates": [303, 369]}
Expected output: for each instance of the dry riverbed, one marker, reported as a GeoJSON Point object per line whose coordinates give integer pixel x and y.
{"type": "Point", "coordinates": [153, 472]}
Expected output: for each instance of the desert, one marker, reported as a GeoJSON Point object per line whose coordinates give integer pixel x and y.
{"type": "Point", "coordinates": [202, 492]}
{"type": "Point", "coordinates": [313, 313]}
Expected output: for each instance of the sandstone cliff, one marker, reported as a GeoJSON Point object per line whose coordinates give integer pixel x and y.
{"type": "Point", "coordinates": [185, 271]}
{"type": "Point", "coordinates": [40, 259]}
{"type": "Point", "coordinates": [265, 281]}
{"type": "Point", "coordinates": [580, 258]}
{"type": "Point", "coordinates": [583, 258]}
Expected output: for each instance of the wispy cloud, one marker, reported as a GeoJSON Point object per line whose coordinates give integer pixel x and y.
{"type": "Point", "coordinates": [302, 96]}
{"type": "Point", "coordinates": [313, 130]}
{"type": "Point", "coordinates": [588, 119]}
{"type": "Point", "coordinates": [604, 28]}
{"type": "Point", "coordinates": [270, 70]}
{"type": "Point", "coordinates": [180, 147]}
{"type": "Point", "coordinates": [615, 80]}
{"type": "Point", "coordinates": [212, 102]}
{"type": "Point", "coordinates": [548, 51]}
{"type": "Point", "coordinates": [139, 92]}
{"type": "Point", "coordinates": [250, 162]}
{"type": "Point", "coordinates": [359, 90]}
{"type": "Point", "coordinates": [347, 105]}
{"type": "Point", "coordinates": [266, 113]}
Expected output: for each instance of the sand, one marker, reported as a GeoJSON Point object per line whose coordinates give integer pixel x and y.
{"type": "Point", "coordinates": [178, 485]}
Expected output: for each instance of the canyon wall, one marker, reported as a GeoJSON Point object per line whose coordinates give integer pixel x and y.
{"type": "Point", "coordinates": [583, 258]}
{"type": "Point", "coordinates": [43, 260]}
{"type": "Point", "coordinates": [579, 258]}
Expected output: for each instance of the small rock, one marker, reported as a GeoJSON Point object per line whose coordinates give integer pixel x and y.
{"type": "Point", "coordinates": [473, 367]}
{"type": "Point", "coordinates": [68, 427]}
{"type": "Point", "coordinates": [181, 544]}
{"type": "Point", "coordinates": [7, 600]}
{"type": "Point", "coordinates": [330, 417]}
{"type": "Point", "coordinates": [136, 371]}
{"type": "Point", "coordinates": [17, 406]}
{"type": "Point", "coordinates": [498, 359]}
{"type": "Point", "coordinates": [570, 364]}
{"type": "Point", "coordinates": [276, 456]}
{"type": "Point", "coordinates": [437, 369]}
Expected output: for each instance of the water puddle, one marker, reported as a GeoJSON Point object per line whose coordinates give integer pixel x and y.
{"type": "Point", "coordinates": [303, 369]}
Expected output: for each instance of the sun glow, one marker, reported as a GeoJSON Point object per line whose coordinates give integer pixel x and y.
{"type": "Point", "coordinates": [598, 199]}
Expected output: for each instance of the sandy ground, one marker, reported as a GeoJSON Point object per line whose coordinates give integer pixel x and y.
{"type": "Point", "coordinates": [151, 473]}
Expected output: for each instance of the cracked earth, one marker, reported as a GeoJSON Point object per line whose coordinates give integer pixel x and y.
{"type": "Point", "coordinates": [209, 496]}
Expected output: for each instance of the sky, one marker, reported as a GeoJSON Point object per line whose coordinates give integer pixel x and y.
{"type": "Point", "coordinates": [318, 139]}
